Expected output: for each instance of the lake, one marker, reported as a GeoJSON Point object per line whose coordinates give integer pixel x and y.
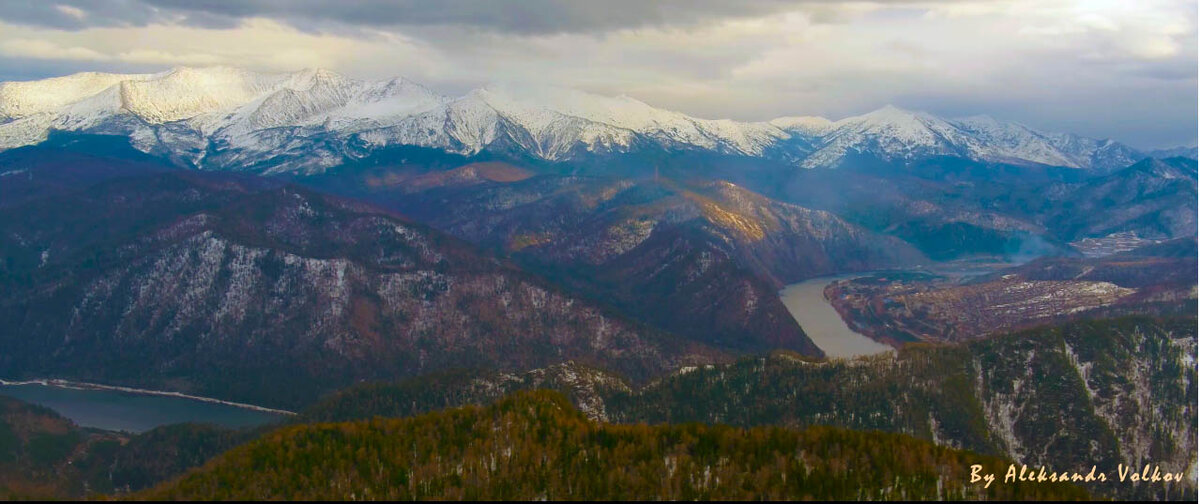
{"type": "Point", "coordinates": [124, 411]}
{"type": "Point", "coordinates": [807, 304]}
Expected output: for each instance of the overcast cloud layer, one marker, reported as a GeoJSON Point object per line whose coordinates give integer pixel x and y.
{"type": "Point", "coordinates": [1119, 69]}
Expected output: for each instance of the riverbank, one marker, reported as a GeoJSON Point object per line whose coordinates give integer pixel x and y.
{"type": "Point", "coordinates": [67, 384]}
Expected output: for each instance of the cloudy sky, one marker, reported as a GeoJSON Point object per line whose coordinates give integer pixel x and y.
{"type": "Point", "coordinates": [1104, 68]}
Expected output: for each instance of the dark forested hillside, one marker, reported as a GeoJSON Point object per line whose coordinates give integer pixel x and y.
{"type": "Point", "coordinates": [45, 456]}
{"type": "Point", "coordinates": [36, 449]}
{"type": "Point", "coordinates": [1124, 388]}
{"type": "Point", "coordinates": [250, 290]}
{"type": "Point", "coordinates": [588, 388]}
{"type": "Point", "coordinates": [537, 446]}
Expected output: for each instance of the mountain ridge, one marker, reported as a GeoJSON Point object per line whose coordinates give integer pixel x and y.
{"type": "Point", "coordinates": [230, 118]}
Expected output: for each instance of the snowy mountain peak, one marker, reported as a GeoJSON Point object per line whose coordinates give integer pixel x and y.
{"type": "Point", "coordinates": [892, 115]}
{"type": "Point", "coordinates": [806, 125]}
{"type": "Point", "coordinates": [896, 134]}
{"type": "Point", "coordinates": [227, 117]}
{"type": "Point", "coordinates": [321, 73]}
{"type": "Point", "coordinates": [891, 110]}
{"type": "Point", "coordinates": [890, 133]}
{"type": "Point", "coordinates": [597, 121]}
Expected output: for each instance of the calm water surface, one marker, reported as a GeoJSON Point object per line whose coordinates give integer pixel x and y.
{"type": "Point", "coordinates": [806, 301]}
{"type": "Point", "coordinates": [113, 410]}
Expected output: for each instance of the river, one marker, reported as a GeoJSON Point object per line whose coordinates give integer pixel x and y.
{"type": "Point", "coordinates": [133, 412]}
{"type": "Point", "coordinates": [807, 304]}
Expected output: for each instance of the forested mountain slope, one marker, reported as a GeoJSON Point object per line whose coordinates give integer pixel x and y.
{"type": "Point", "coordinates": [1123, 388]}
{"type": "Point", "coordinates": [533, 446]}
{"type": "Point", "coordinates": [251, 290]}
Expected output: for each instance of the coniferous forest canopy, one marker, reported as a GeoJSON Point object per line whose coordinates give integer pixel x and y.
{"type": "Point", "coordinates": [547, 250]}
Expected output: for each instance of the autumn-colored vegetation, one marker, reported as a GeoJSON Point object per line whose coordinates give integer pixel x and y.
{"type": "Point", "coordinates": [535, 445]}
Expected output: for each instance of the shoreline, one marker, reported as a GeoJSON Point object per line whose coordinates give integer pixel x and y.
{"type": "Point", "coordinates": [67, 384]}
{"type": "Point", "coordinates": [830, 331]}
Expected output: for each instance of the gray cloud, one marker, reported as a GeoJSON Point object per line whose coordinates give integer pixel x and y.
{"type": "Point", "coordinates": [528, 17]}
{"type": "Point", "coordinates": [79, 14]}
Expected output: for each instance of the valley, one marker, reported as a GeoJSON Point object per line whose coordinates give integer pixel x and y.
{"type": "Point", "coordinates": [701, 260]}
{"type": "Point", "coordinates": [329, 287]}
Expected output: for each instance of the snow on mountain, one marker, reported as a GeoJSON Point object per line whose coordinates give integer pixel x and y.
{"type": "Point", "coordinates": [388, 100]}
{"type": "Point", "coordinates": [896, 134]}
{"type": "Point", "coordinates": [557, 119]}
{"type": "Point", "coordinates": [250, 116]}
{"type": "Point", "coordinates": [185, 93]}
{"type": "Point", "coordinates": [1187, 152]}
{"type": "Point", "coordinates": [809, 126]}
{"type": "Point", "coordinates": [312, 100]}
{"type": "Point", "coordinates": [890, 133]}
{"type": "Point", "coordinates": [1012, 142]}
{"type": "Point", "coordinates": [27, 130]}
{"type": "Point", "coordinates": [1102, 155]}
{"type": "Point", "coordinates": [229, 118]}
{"type": "Point", "coordinates": [24, 99]}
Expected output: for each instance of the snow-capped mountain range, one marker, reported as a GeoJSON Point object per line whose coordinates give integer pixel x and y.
{"type": "Point", "coordinates": [310, 120]}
